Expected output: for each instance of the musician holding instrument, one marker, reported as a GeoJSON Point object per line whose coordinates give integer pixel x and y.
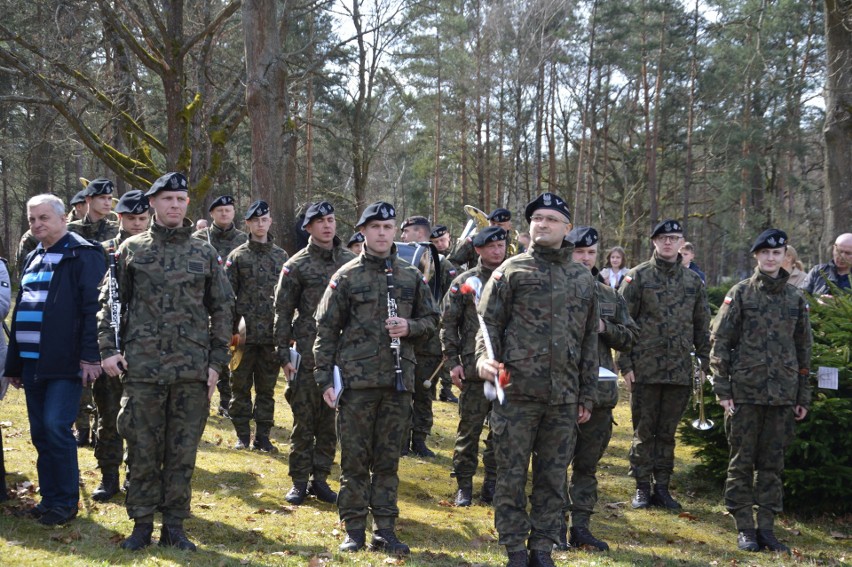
{"type": "Point", "coordinates": [373, 310]}
{"type": "Point", "coordinates": [761, 357]}
{"type": "Point", "coordinates": [669, 303]}
{"type": "Point", "coordinates": [464, 254]}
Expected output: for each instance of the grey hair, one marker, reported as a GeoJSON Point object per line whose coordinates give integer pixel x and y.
{"type": "Point", "coordinates": [48, 199]}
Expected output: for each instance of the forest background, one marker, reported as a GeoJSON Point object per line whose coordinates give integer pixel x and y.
{"type": "Point", "coordinates": [732, 115]}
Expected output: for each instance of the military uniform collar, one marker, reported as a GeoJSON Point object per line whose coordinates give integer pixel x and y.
{"type": "Point", "coordinates": [160, 231]}
{"type": "Point", "coordinates": [122, 235]}
{"type": "Point", "coordinates": [561, 255]}
{"type": "Point", "coordinates": [769, 284]}
{"type": "Point", "coordinates": [229, 232]}
{"type": "Point", "coordinates": [324, 253]}
{"type": "Point", "coordinates": [256, 246]}
{"type": "Point", "coordinates": [663, 265]}
{"type": "Point", "coordinates": [378, 262]}
{"type": "Point", "coordinates": [484, 270]}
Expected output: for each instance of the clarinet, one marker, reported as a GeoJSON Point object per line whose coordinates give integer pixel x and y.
{"type": "Point", "coordinates": [114, 299]}
{"type": "Point", "coordinates": [396, 344]}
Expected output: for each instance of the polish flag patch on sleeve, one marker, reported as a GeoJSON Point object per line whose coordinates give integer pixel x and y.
{"type": "Point", "coordinates": [728, 299]}
{"type": "Point", "coordinates": [807, 307]}
{"type": "Point", "coordinates": [628, 279]}
{"type": "Point", "coordinates": [285, 271]}
{"type": "Point", "coordinates": [454, 290]}
{"type": "Point", "coordinates": [332, 284]}
{"type": "Point", "coordinates": [497, 275]}
{"type": "Point", "coordinates": [227, 263]}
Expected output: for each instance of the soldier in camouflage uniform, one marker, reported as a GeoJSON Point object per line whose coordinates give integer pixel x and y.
{"type": "Point", "coordinates": [252, 269]}
{"type": "Point", "coordinates": [459, 325]}
{"type": "Point", "coordinates": [355, 331]}
{"type": "Point", "coordinates": [669, 303]}
{"type": "Point", "coordinates": [356, 243]}
{"type": "Point", "coordinates": [133, 219]}
{"type": "Point", "coordinates": [463, 253]}
{"type": "Point", "coordinates": [224, 236]}
{"type": "Point", "coordinates": [760, 359]}
{"type": "Point", "coordinates": [541, 314]}
{"type": "Point", "coordinates": [300, 286]}
{"type": "Point", "coordinates": [94, 227]}
{"type": "Point", "coordinates": [616, 331]}
{"type": "Point", "coordinates": [177, 313]}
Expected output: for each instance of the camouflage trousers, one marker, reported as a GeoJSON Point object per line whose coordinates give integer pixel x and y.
{"type": "Point", "coordinates": [313, 440]}
{"type": "Point", "coordinates": [162, 425]}
{"type": "Point", "coordinates": [546, 433]}
{"type": "Point", "coordinates": [421, 409]}
{"type": "Point", "coordinates": [474, 408]}
{"type": "Point", "coordinates": [259, 368]}
{"type": "Point", "coordinates": [592, 440]}
{"type": "Point", "coordinates": [371, 425]}
{"type": "Point", "coordinates": [87, 413]}
{"type": "Point", "coordinates": [758, 436]}
{"type": "Point", "coordinates": [656, 411]}
{"type": "Point", "coordinates": [110, 448]}
{"type": "Point", "coordinates": [223, 386]}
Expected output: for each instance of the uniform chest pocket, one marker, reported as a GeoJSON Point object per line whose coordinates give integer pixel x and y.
{"type": "Point", "coordinates": [364, 301]}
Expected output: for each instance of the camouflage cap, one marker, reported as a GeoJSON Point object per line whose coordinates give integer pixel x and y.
{"type": "Point", "coordinates": [133, 203]}
{"type": "Point", "coordinates": [221, 201]}
{"type": "Point", "coordinates": [438, 231]}
{"type": "Point", "coordinates": [489, 234]}
{"type": "Point", "coordinates": [169, 182]}
{"type": "Point", "coordinates": [770, 238]}
{"type": "Point", "coordinates": [257, 209]}
{"type": "Point", "coordinates": [316, 211]}
{"type": "Point", "coordinates": [547, 201]}
{"type": "Point", "coordinates": [99, 186]}
{"type": "Point", "coordinates": [668, 226]}
{"type": "Point", "coordinates": [356, 238]}
{"type": "Point", "coordinates": [500, 215]}
{"type": "Point", "coordinates": [583, 237]}
{"type": "Point", "coordinates": [79, 197]}
{"type": "Point", "coordinates": [378, 211]}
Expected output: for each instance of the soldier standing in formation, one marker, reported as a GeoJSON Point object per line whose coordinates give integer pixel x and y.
{"type": "Point", "coordinates": [761, 361]}
{"type": "Point", "coordinates": [356, 330]}
{"type": "Point", "coordinates": [177, 315]}
{"type": "Point", "coordinates": [133, 219]}
{"type": "Point", "coordinates": [616, 331]}
{"type": "Point", "coordinates": [78, 206]}
{"type": "Point", "coordinates": [669, 303]}
{"type": "Point", "coordinates": [440, 237]}
{"type": "Point", "coordinates": [464, 254]}
{"type": "Point", "coordinates": [459, 325]}
{"type": "Point", "coordinates": [541, 314]}
{"type": "Point", "coordinates": [356, 243]}
{"type": "Point", "coordinates": [300, 287]}
{"type": "Point", "coordinates": [252, 269]}
{"type": "Point", "coordinates": [224, 236]}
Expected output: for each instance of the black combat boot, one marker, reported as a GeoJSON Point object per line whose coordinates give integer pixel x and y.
{"type": "Point", "coordinates": [539, 558]}
{"type": "Point", "coordinates": [518, 559]}
{"type": "Point", "coordinates": [464, 496]}
{"type": "Point", "coordinates": [262, 443]}
{"type": "Point", "coordinates": [386, 540]}
{"type": "Point", "coordinates": [243, 442]}
{"type": "Point", "coordinates": [447, 395]}
{"type": "Point", "coordinates": [174, 536]}
{"type": "Point", "coordinates": [662, 498]}
{"type": "Point", "coordinates": [488, 488]}
{"type": "Point", "coordinates": [419, 448]}
{"type": "Point", "coordinates": [298, 493]}
{"type": "Point", "coordinates": [766, 540]}
{"type": "Point", "coordinates": [323, 492]}
{"type": "Point", "coordinates": [107, 488]}
{"type": "Point", "coordinates": [81, 436]}
{"type": "Point", "coordinates": [747, 540]}
{"type": "Point", "coordinates": [582, 538]}
{"type": "Point", "coordinates": [139, 538]}
{"type": "Point", "coordinates": [355, 541]}
{"type": "Point", "coordinates": [643, 496]}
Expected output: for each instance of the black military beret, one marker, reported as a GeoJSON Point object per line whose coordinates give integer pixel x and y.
{"type": "Point", "coordinates": [316, 211]}
{"type": "Point", "coordinates": [667, 226]}
{"type": "Point", "coordinates": [169, 182]}
{"type": "Point", "coordinates": [500, 215]}
{"type": "Point", "coordinates": [489, 234]}
{"type": "Point", "coordinates": [438, 231]}
{"type": "Point", "coordinates": [132, 202]}
{"type": "Point", "coordinates": [583, 237]}
{"type": "Point", "coordinates": [416, 221]}
{"type": "Point", "coordinates": [99, 186]}
{"type": "Point", "coordinates": [80, 197]}
{"type": "Point", "coordinates": [547, 201]}
{"type": "Point", "coordinates": [221, 201]}
{"type": "Point", "coordinates": [770, 238]}
{"type": "Point", "coordinates": [355, 239]}
{"type": "Point", "coordinates": [257, 209]}
{"type": "Point", "coordinates": [379, 210]}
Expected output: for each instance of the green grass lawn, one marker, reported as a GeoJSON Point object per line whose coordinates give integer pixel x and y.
{"type": "Point", "coordinates": [240, 517]}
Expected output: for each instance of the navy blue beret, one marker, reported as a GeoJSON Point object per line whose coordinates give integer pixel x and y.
{"type": "Point", "coordinates": [80, 197]}
{"type": "Point", "coordinates": [257, 209]}
{"type": "Point", "coordinates": [99, 186]}
{"type": "Point", "coordinates": [169, 182]}
{"type": "Point", "coordinates": [500, 215]}
{"type": "Point", "coordinates": [770, 238]}
{"type": "Point", "coordinates": [133, 203]}
{"type": "Point", "coordinates": [355, 239]}
{"type": "Point", "coordinates": [438, 231]}
{"type": "Point", "coordinates": [489, 234]}
{"type": "Point", "coordinates": [221, 201]}
{"type": "Point", "coordinates": [668, 226]}
{"type": "Point", "coordinates": [416, 221]}
{"type": "Point", "coordinates": [583, 237]}
{"type": "Point", "coordinates": [316, 211]}
{"type": "Point", "coordinates": [548, 201]}
{"type": "Point", "coordinates": [380, 211]}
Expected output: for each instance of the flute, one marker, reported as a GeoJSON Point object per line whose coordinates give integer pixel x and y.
{"type": "Point", "coordinates": [396, 344]}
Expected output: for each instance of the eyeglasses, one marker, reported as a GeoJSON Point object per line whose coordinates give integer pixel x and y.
{"type": "Point", "coordinates": [668, 238]}
{"type": "Point", "coordinates": [547, 219]}
{"type": "Point", "coordinates": [842, 252]}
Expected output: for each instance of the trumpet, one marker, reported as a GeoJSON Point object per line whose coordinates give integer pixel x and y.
{"type": "Point", "coordinates": [698, 379]}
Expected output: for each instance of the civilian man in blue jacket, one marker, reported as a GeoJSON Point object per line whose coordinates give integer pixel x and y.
{"type": "Point", "coordinates": [53, 349]}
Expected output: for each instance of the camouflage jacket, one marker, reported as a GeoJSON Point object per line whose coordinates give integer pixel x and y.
{"type": "Point", "coordinates": [300, 287]}
{"type": "Point", "coordinates": [620, 333]}
{"type": "Point", "coordinates": [432, 345]}
{"type": "Point", "coordinates": [351, 323]}
{"type": "Point", "coordinates": [177, 307]}
{"type": "Point", "coordinates": [669, 303]}
{"type": "Point", "coordinates": [95, 232]}
{"type": "Point", "coordinates": [224, 241]}
{"type": "Point", "coordinates": [114, 243]}
{"type": "Point", "coordinates": [459, 324]}
{"type": "Point", "coordinates": [253, 268]}
{"type": "Point", "coordinates": [762, 343]}
{"type": "Point", "coordinates": [541, 312]}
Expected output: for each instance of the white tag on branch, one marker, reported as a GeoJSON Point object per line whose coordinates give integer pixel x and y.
{"type": "Point", "coordinates": [827, 378]}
